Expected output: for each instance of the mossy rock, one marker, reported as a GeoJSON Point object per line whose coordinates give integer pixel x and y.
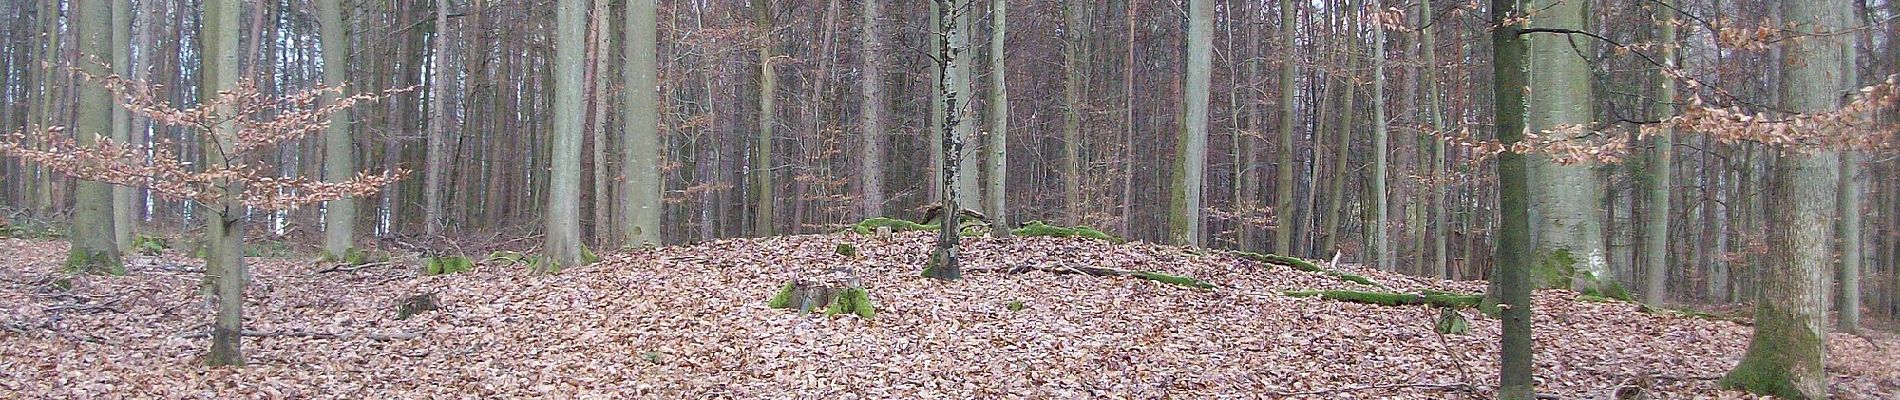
{"type": "Point", "coordinates": [869, 225]}
{"type": "Point", "coordinates": [79, 261]}
{"type": "Point", "coordinates": [848, 250]}
{"type": "Point", "coordinates": [445, 265]}
{"type": "Point", "coordinates": [1038, 228]}
{"type": "Point", "coordinates": [1435, 299]}
{"type": "Point", "coordinates": [509, 258]}
{"type": "Point", "coordinates": [1016, 306]}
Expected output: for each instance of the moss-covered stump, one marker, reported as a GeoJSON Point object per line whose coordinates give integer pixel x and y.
{"type": "Point", "coordinates": [80, 261]}
{"type": "Point", "coordinates": [1038, 228]}
{"type": "Point", "coordinates": [416, 304]}
{"type": "Point", "coordinates": [1304, 265]}
{"type": "Point", "coordinates": [1435, 299]}
{"type": "Point", "coordinates": [832, 293]}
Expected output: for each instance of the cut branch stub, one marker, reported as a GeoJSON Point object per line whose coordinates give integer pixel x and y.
{"type": "Point", "coordinates": [837, 292]}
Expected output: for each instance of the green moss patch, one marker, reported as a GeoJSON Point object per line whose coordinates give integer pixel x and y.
{"type": "Point", "coordinates": [79, 261]}
{"type": "Point", "coordinates": [445, 265]}
{"type": "Point", "coordinates": [1176, 280]}
{"type": "Point", "coordinates": [1038, 228]}
{"type": "Point", "coordinates": [1435, 299]}
{"type": "Point", "coordinates": [854, 301]}
{"type": "Point", "coordinates": [848, 250]}
{"type": "Point", "coordinates": [149, 245]}
{"type": "Point", "coordinates": [784, 297]}
{"type": "Point", "coordinates": [870, 225]}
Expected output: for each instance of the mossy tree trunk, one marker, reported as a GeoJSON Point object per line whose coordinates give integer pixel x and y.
{"type": "Point", "coordinates": [95, 249]}
{"type": "Point", "coordinates": [1569, 230]}
{"type": "Point", "coordinates": [1785, 355]}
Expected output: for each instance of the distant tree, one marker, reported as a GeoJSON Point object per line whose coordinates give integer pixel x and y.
{"type": "Point", "coordinates": [1381, 246]}
{"type": "Point", "coordinates": [1283, 175]}
{"type": "Point", "coordinates": [436, 167]}
{"type": "Point", "coordinates": [124, 214]}
{"type": "Point", "coordinates": [1660, 169]}
{"type": "Point", "coordinates": [763, 188]}
{"type": "Point", "coordinates": [1184, 216]}
{"type": "Point", "coordinates": [1075, 67]}
{"type": "Point", "coordinates": [952, 41]}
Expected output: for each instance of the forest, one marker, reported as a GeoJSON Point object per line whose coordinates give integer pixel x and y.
{"type": "Point", "coordinates": [1314, 199]}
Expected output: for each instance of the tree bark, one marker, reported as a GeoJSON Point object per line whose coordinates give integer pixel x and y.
{"type": "Point", "coordinates": [1184, 225]}
{"type": "Point", "coordinates": [871, 112]}
{"type": "Point", "coordinates": [1785, 354]}
{"type": "Point", "coordinates": [224, 227]}
{"type": "Point", "coordinates": [642, 207]}
{"type": "Point", "coordinates": [1381, 246]}
{"type": "Point", "coordinates": [339, 222]}
{"type": "Point", "coordinates": [1567, 197]}
{"type": "Point", "coordinates": [1660, 170]}
{"type": "Point", "coordinates": [762, 169]}
{"type": "Point", "coordinates": [1283, 183]}
{"type": "Point", "coordinates": [124, 215]}
{"type": "Point", "coordinates": [953, 39]}
{"type": "Point", "coordinates": [94, 247]}
{"type": "Point", "coordinates": [996, 142]}
{"type": "Point", "coordinates": [1438, 266]}
{"type": "Point", "coordinates": [1074, 91]}
{"type": "Point", "coordinates": [436, 165]}
{"type": "Point", "coordinates": [1511, 285]}
{"type": "Point", "coordinates": [563, 214]}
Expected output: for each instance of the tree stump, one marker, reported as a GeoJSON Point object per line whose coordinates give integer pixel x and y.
{"type": "Point", "coordinates": [834, 292]}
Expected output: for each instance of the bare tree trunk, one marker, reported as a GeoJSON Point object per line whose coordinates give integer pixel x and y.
{"type": "Point", "coordinates": [1184, 216]}
{"type": "Point", "coordinates": [1438, 267]}
{"type": "Point", "coordinates": [1511, 287]}
{"type": "Point", "coordinates": [1566, 200]}
{"type": "Point", "coordinates": [124, 216]}
{"type": "Point", "coordinates": [94, 249]}
{"type": "Point", "coordinates": [224, 227]}
{"type": "Point", "coordinates": [642, 207]}
{"type": "Point", "coordinates": [436, 168]}
{"type": "Point", "coordinates": [1785, 354]}
{"type": "Point", "coordinates": [1074, 91]}
{"type": "Point", "coordinates": [871, 156]}
{"type": "Point", "coordinates": [762, 169]}
{"type": "Point", "coordinates": [1661, 167]}
{"type": "Point", "coordinates": [996, 143]}
{"type": "Point", "coordinates": [1381, 249]}
{"type": "Point", "coordinates": [1283, 184]}
{"type": "Point", "coordinates": [563, 213]}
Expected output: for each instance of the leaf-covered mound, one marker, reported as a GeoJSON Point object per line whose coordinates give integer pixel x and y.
{"type": "Point", "coordinates": [692, 322]}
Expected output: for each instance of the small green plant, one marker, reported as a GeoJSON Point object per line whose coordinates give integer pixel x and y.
{"type": "Point", "coordinates": [1017, 305]}
{"type": "Point", "coordinates": [1452, 322]}
{"type": "Point", "coordinates": [445, 265]}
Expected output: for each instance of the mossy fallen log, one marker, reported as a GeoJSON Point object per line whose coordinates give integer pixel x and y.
{"type": "Point", "coordinates": [445, 265]}
{"type": "Point", "coordinates": [1435, 299]}
{"type": "Point", "coordinates": [1177, 280]}
{"type": "Point", "coordinates": [833, 295]}
{"type": "Point", "coordinates": [1304, 265]}
{"type": "Point", "coordinates": [1038, 228]}
{"type": "Point", "coordinates": [869, 225]}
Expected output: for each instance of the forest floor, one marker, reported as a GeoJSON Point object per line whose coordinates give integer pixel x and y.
{"type": "Point", "coordinates": [692, 322]}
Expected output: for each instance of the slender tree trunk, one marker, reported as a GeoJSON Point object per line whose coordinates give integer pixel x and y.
{"type": "Point", "coordinates": [1785, 354]}
{"type": "Point", "coordinates": [436, 168]}
{"type": "Point", "coordinates": [1074, 91]}
{"type": "Point", "coordinates": [871, 113]}
{"type": "Point", "coordinates": [952, 41]}
{"type": "Point", "coordinates": [94, 248]}
{"type": "Point", "coordinates": [600, 102]}
{"type": "Point", "coordinates": [1511, 285]}
{"type": "Point", "coordinates": [1336, 183]}
{"type": "Point", "coordinates": [224, 227]}
{"type": "Point", "coordinates": [1381, 214]}
{"type": "Point", "coordinates": [563, 215]}
{"type": "Point", "coordinates": [339, 162]}
{"type": "Point", "coordinates": [1849, 198]}
{"type": "Point", "coordinates": [1660, 169]}
{"type": "Point", "coordinates": [1283, 184]}
{"type": "Point", "coordinates": [44, 115]}
{"type": "Point", "coordinates": [642, 207]}
{"type": "Point", "coordinates": [1184, 225]}
{"type": "Point", "coordinates": [763, 187]}
{"type": "Point", "coordinates": [996, 142]}
{"type": "Point", "coordinates": [969, 180]}
{"type": "Point", "coordinates": [124, 216]}
{"type": "Point", "coordinates": [1439, 185]}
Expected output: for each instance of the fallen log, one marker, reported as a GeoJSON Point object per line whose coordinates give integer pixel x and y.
{"type": "Point", "coordinates": [1435, 299]}
{"type": "Point", "coordinates": [1176, 280]}
{"type": "Point", "coordinates": [380, 337]}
